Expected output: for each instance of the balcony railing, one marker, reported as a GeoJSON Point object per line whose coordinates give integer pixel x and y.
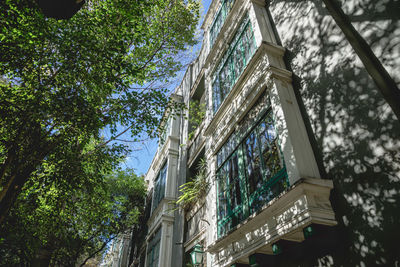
{"type": "Point", "coordinates": [196, 142]}
{"type": "Point", "coordinates": [195, 222]}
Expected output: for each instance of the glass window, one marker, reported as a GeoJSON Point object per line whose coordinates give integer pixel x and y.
{"type": "Point", "coordinates": [249, 175]}
{"type": "Point", "coordinates": [248, 43]}
{"type": "Point", "coordinates": [253, 166]}
{"type": "Point", "coordinates": [233, 62]}
{"type": "Point", "coordinates": [216, 94]}
{"type": "Point", "coordinates": [153, 249]}
{"type": "Point", "coordinates": [159, 187]}
{"type": "Point", "coordinates": [230, 194]}
{"type": "Point", "coordinates": [238, 59]}
{"type": "Point", "coordinates": [166, 132]}
{"type": "Point", "coordinates": [269, 147]}
{"type": "Point", "coordinates": [220, 19]}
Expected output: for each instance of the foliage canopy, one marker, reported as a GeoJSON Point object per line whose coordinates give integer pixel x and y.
{"type": "Point", "coordinates": [54, 225]}
{"type": "Point", "coordinates": [197, 112]}
{"type": "Point", "coordinates": [63, 82]}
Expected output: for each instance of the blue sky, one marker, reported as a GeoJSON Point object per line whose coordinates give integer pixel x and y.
{"type": "Point", "coordinates": [141, 158]}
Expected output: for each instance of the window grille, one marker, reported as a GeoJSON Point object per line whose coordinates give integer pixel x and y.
{"type": "Point", "coordinates": [250, 173]}
{"type": "Point", "coordinates": [166, 132]}
{"type": "Point", "coordinates": [220, 19]}
{"type": "Point", "coordinates": [153, 249]}
{"type": "Point", "coordinates": [159, 187]}
{"type": "Point", "coordinates": [233, 62]}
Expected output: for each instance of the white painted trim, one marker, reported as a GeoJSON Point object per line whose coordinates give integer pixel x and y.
{"type": "Point", "coordinates": [282, 218]}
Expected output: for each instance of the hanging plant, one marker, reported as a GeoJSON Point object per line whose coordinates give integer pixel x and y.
{"type": "Point", "coordinates": [197, 112]}
{"type": "Point", "coordinates": [194, 190]}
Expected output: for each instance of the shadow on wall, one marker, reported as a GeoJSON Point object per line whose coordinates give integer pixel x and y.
{"type": "Point", "coordinates": [355, 131]}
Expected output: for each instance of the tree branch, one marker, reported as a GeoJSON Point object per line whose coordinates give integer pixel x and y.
{"type": "Point", "coordinates": [97, 251]}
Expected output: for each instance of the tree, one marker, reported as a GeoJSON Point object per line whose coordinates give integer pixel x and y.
{"type": "Point", "coordinates": [63, 82]}
{"type": "Point", "coordinates": [54, 225]}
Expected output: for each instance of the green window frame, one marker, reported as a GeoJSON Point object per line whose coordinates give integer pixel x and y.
{"type": "Point", "coordinates": [250, 173]}
{"type": "Point", "coordinates": [269, 178]}
{"type": "Point", "coordinates": [159, 187]}
{"type": "Point", "coordinates": [231, 199]}
{"type": "Point", "coordinates": [219, 19]}
{"type": "Point", "coordinates": [166, 132]}
{"type": "Point", "coordinates": [153, 249]}
{"type": "Point", "coordinates": [233, 62]}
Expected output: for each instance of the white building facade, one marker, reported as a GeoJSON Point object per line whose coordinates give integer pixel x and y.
{"type": "Point", "coordinates": [267, 193]}
{"type": "Point", "coordinates": [265, 182]}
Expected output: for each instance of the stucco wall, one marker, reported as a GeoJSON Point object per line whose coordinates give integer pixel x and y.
{"type": "Point", "coordinates": [353, 131]}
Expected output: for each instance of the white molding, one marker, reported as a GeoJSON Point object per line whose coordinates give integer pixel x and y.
{"type": "Point", "coordinates": [283, 218]}
{"type": "Point", "coordinates": [171, 145]}
{"type": "Point", "coordinates": [194, 240]}
{"type": "Point", "coordinates": [163, 212]}
{"type": "Point", "coordinates": [165, 253]}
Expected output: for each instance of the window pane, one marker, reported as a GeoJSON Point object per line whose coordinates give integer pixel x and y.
{"type": "Point", "coordinates": [252, 163]}
{"type": "Point", "coordinates": [220, 158]}
{"type": "Point", "coordinates": [153, 249]}
{"type": "Point", "coordinates": [156, 254]}
{"type": "Point", "coordinates": [269, 148]}
{"type": "Point", "coordinates": [159, 187]}
{"type": "Point", "coordinates": [216, 94]}
{"type": "Point", "coordinates": [224, 81]}
{"type": "Point", "coordinates": [234, 181]}
{"type": "Point", "coordinates": [222, 194]}
{"type": "Point", "coordinates": [238, 59]}
{"type": "Point", "coordinates": [163, 180]}
{"type": "Point", "coordinates": [233, 62]}
{"type": "Point", "coordinates": [248, 43]}
{"type": "Point", "coordinates": [229, 195]}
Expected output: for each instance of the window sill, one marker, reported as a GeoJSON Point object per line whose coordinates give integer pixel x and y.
{"type": "Point", "coordinates": [163, 211]}
{"type": "Point", "coordinates": [284, 217]}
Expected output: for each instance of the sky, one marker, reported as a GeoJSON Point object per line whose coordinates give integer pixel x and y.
{"type": "Point", "coordinates": [140, 159]}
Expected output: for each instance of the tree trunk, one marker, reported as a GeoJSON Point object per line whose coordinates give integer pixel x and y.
{"type": "Point", "coordinates": [42, 257]}
{"type": "Point", "coordinates": [374, 67]}
{"type": "Point", "coordinates": [11, 191]}
{"type": "Point", "coordinates": [17, 171]}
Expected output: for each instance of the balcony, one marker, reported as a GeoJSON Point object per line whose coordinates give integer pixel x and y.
{"type": "Point", "coordinates": [197, 112]}
{"type": "Point", "coordinates": [196, 143]}
{"type": "Point", "coordinates": [283, 218]}
{"type": "Point", "coordinates": [196, 225]}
